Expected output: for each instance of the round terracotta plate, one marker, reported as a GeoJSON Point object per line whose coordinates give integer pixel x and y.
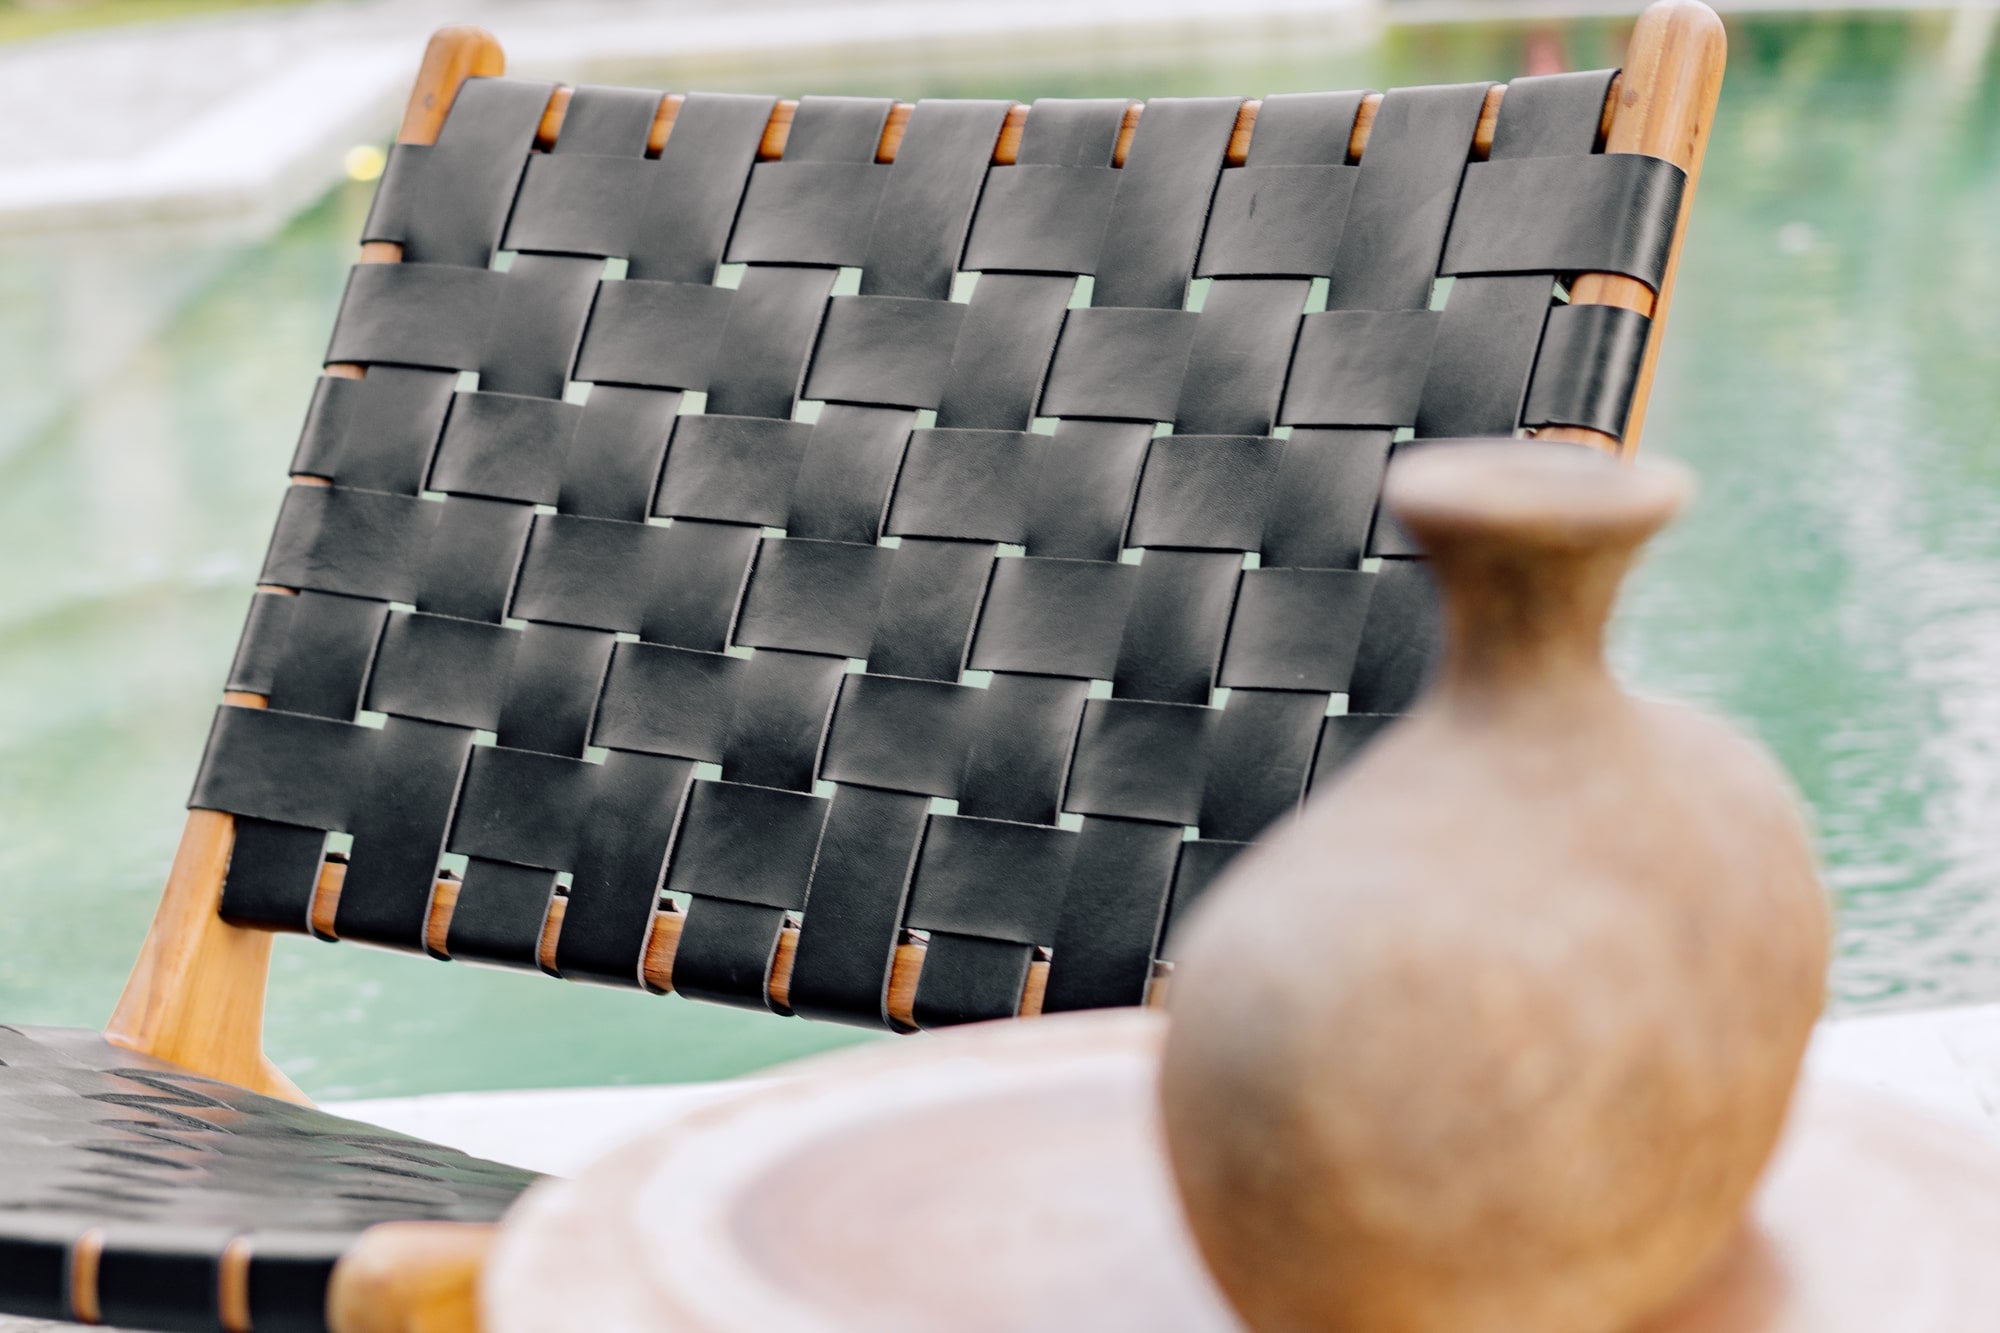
{"type": "Point", "coordinates": [1011, 1176]}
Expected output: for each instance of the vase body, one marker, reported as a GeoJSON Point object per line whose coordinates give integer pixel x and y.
{"type": "Point", "coordinates": [1498, 1033]}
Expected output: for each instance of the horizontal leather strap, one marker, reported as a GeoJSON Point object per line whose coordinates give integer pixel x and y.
{"type": "Point", "coordinates": [1595, 213]}
{"type": "Point", "coordinates": [1588, 367]}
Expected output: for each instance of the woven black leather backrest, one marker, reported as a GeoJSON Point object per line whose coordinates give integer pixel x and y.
{"type": "Point", "coordinates": [996, 611]}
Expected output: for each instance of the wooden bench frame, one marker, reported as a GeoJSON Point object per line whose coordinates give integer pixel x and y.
{"type": "Point", "coordinates": [196, 993]}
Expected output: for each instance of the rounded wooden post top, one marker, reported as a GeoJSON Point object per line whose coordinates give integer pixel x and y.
{"type": "Point", "coordinates": [1536, 495]}
{"type": "Point", "coordinates": [453, 55]}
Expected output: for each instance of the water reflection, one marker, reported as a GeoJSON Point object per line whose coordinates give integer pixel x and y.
{"type": "Point", "coordinates": [1831, 377]}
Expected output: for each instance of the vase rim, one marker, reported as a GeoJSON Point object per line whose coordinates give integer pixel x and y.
{"type": "Point", "coordinates": [1539, 492]}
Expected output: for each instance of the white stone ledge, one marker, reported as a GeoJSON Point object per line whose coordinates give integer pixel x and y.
{"type": "Point", "coordinates": [1945, 1060]}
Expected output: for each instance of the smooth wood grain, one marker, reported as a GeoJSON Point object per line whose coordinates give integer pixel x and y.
{"type": "Point", "coordinates": [772, 147]}
{"type": "Point", "coordinates": [452, 56]}
{"type": "Point", "coordinates": [84, 1257]}
{"type": "Point", "coordinates": [782, 960]}
{"type": "Point", "coordinates": [545, 954]}
{"type": "Point", "coordinates": [437, 921]}
{"type": "Point", "coordinates": [233, 1286]}
{"type": "Point", "coordinates": [326, 900]}
{"type": "Point", "coordinates": [410, 1277]}
{"type": "Point", "coordinates": [905, 967]}
{"type": "Point", "coordinates": [663, 123]}
{"type": "Point", "coordinates": [1036, 990]}
{"type": "Point", "coordinates": [1664, 107]}
{"type": "Point", "coordinates": [196, 993]}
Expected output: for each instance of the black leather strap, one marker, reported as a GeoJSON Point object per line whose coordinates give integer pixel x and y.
{"type": "Point", "coordinates": [1284, 211]}
{"type": "Point", "coordinates": [920, 226]}
{"type": "Point", "coordinates": [1588, 369]}
{"type": "Point", "coordinates": [447, 204]}
{"type": "Point", "coordinates": [685, 223]}
{"type": "Point", "coordinates": [1047, 213]}
{"type": "Point", "coordinates": [34, 1258]}
{"type": "Point", "coordinates": [860, 884]}
{"type": "Point", "coordinates": [1490, 328]}
{"type": "Point", "coordinates": [1119, 877]}
{"type": "Point", "coordinates": [585, 195]}
{"type": "Point", "coordinates": [395, 194]}
{"type": "Point", "coordinates": [273, 873]}
{"type": "Point", "coordinates": [290, 1272]}
{"type": "Point", "coordinates": [616, 882]}
{"type": "Point", "coordinates": [1202, 862]}
{"type": "Point", "coordinates": [1600, 213]}
{"type": "Point", "coordinates": [1395, 223]}
{"type": "Point", "coordinates": [1157, 215]}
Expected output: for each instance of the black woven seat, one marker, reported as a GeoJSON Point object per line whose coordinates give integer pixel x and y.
{"type": "Point", "coordinates": [767, 577]}
{"type": "Point", "coordinates": [167, 1168]}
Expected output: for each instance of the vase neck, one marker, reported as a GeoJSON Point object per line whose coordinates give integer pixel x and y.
{"type": "Point", "coordinates": [1529, 543]}
{"type": "Point", "coordinates": [1514, 626]}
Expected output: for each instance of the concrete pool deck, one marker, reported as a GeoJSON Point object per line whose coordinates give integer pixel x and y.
{"type": "Point", "coordinates": [242, 120]}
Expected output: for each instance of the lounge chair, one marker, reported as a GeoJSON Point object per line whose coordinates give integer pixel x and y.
{"type": "Point", "coordinates": [794, 620]}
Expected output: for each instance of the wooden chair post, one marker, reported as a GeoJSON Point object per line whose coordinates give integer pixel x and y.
{"type": "Point", "coordinates": [411, 1277]}
{"type": "Point", "coordinates": [1665, 106]}
{"type": "Point", "coordinates": [196, 993]}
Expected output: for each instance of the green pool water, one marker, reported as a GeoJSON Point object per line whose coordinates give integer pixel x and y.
{"type": "Point", "coordinates": [1832, 375]}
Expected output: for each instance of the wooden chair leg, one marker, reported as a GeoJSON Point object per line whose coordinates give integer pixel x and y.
{"type": "Point", "coordinates": [411, 1277]}
{"type": "Point", "coordinates": [196, 994]}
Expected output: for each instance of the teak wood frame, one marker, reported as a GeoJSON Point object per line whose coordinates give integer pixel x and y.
{"type": "Point", "coordinates": [196, 993]}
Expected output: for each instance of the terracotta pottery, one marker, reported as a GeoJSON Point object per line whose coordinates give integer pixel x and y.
{"type": "Point", "coordinates": [1497, 1034]}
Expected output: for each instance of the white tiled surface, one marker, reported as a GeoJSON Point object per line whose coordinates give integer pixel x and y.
{"type": "Point", "coordinates": [1947, 1060]}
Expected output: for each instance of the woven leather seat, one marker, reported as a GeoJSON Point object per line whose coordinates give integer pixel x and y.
{"type": "Point", "coordinates": [868, 563]}
{"type": "Point", "coordinates": [169, 1168]}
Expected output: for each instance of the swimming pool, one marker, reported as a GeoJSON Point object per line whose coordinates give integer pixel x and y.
{"type": "Point", "coordinates": [1831, 377]}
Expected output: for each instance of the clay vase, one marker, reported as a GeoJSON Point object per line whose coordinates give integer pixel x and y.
{"type": "Point", "coordinates": [1498, 1033]}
